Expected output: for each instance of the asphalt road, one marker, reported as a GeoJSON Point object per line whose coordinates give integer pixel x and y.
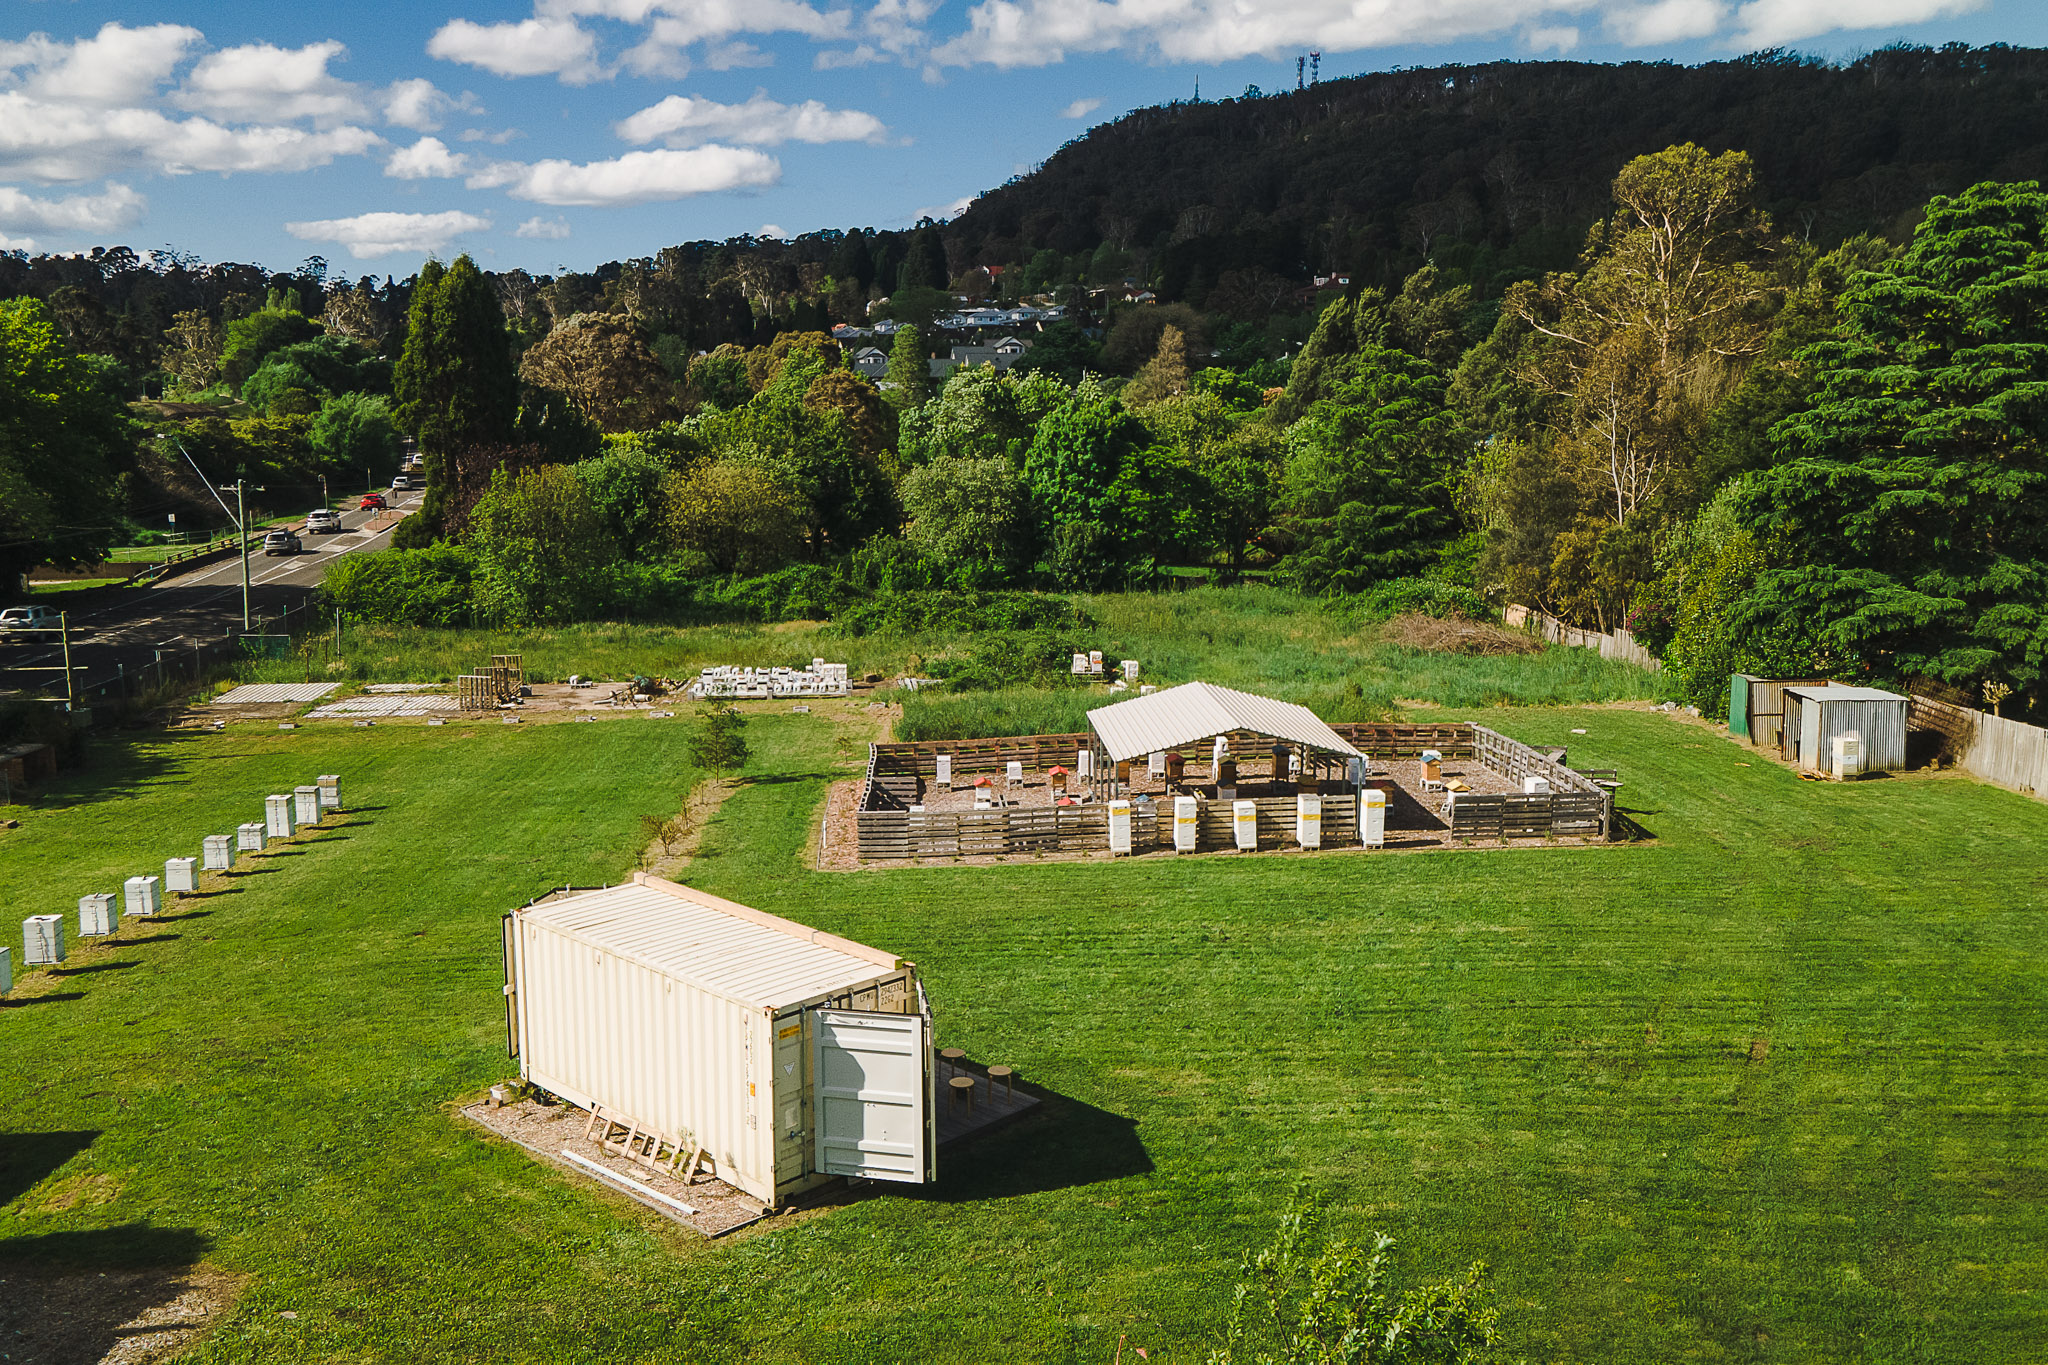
{"type": "Point", "coordinates": [172, 619]}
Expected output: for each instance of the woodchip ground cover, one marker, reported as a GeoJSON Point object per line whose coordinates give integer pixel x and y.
{"type": "Point", "coordinates": [1770, 1088]}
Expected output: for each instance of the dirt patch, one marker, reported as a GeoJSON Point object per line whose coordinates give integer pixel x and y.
{"type": "Point", "coordinates": [671, 851]}
{"type": "Point", "coordinates": [111, 1317]}
{"type": "Point", "coordinates": [1456, 635]}
{"type": "Point", "coordinates": [545, 1130]}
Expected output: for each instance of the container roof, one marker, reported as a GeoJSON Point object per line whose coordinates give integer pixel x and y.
{"type": "Point", "coordinates": [1198, 710]}
{"type": "Point", "coordinates": [743, 954]}
{"type": "Point", "coordinates": [1843, 692]}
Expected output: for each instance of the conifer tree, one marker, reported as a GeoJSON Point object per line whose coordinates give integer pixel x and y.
{"type": "Point", "coordinates": [455, 384]}
{"type": "Point", "coordinates": [910, 373]}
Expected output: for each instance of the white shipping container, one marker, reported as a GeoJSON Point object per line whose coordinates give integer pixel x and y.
{"type": "Point", "coordinates": [1185, 824]}
{"type": "Point", "coordinates": [1119, 827]}
{"type": "Point", "coordinates": [1308, 820]}
{"type": "Point", "coordinates": [142, 896]}
{"type": "Point", "coordinates": [1245, 821]}
{"type": "Point", "coordinates": [788, 1055]}
{"type": "Point", "coordinates": [42, 940]}
{"type": "Point", "coordinates": [1372, 818]}
{"type": "Point", "coordinates": [96, 917]}
{"type": "Point", "coordinates": [220, 852]}
{"type": "Point", "coordinates": [277, 816]}
{"type": "Point", "coordinates": [306, 805]}
{"type": "Point", "coordinates": [249, 838]}
{"type": "Point", "coordinates": [180, 874]}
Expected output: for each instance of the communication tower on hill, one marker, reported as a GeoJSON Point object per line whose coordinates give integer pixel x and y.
{"type": "Point", "coordinates": [1300, 64]}
{"type": "Point", "coordinates": [1315, 67]}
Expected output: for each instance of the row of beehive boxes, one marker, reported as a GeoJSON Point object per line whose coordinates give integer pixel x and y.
{"type": "Point", "coordinates": [1308, 822]}
{"type": "Point", "coordinates": [42, 936]}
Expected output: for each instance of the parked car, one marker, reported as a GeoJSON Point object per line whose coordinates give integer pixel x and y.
{"type": "Point", "coordinates": [282, 542]}
{"type": "Point", "coordinates": [27, 618]}
{"type": "Point", "coordinates": [322, 522]}
{"type": "Point", "coordinates": [372, 502]}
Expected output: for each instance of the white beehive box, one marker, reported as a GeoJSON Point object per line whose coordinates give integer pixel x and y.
{"type": "Point", "coordinates": [249, 838]}
{"type": "Point", "coordinates": [1119, 827]}
{"type": "Point", "coordinates": [1848, 755]}
{"type": "Point", "coordinates": [1186, 823]}
{"type": "Point", "coordinates": [306, 805]}
{"type": "Point", "coordinates": [1155, 764]}
{"type": "Point", "coordinates": [181, 874]}
{"type": "Point", "coordinates": [6, 971]}
{"type": "Point", "coordinates": [219, 850]}
{"type": "Point", "coordinates": [1535, 785]}
{"type": "Point", "coordinates": [277, 816]}
{"type": "Point", "coordinates": [42, 940]}
{"type": "Point", "coordinates": [142, 896]}
{"type": "Point", "coordinates": [1308, 820]}
{"type": "Point", "coordinates": [1094, 661]}
{"type": "Point", "coordinates": [788, 1055]}
{"type": "Point", "coordinates": [330, 791]}
{"type": "Point", "coordinates": [1080, 663]}
{"type": "Point", "coordinates": [944, 776]}
{"type": "Point", "coordinates": [97, 917]}
{"type": "Point", "coordinates": [1130, 669]}
{"type": "Point", "coordinates": [1372, 818]}
{"type": "Point", "coordinates": [1015, 773]}
{"type": "Point", "coordinates": [1244, 823]}
{"type": "Point", "coordinates": [1084, 763]}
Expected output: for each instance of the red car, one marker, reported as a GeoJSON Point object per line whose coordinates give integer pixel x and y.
{"type": "Point", "coordinates": [371, 501]}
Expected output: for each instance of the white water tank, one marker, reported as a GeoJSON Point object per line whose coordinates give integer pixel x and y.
{"type": "Point", "coordinates": [944, 764]}
{"type": "Point", "coordinates": [96, 916]}
{"type": "Point", "coordinates": [330, 790]}
{"type": "Point", "coordinates": [219, 850]}
{"type": "Point", "coordinates": [142, 896]}
{"type": "Point", "coordinates": [1185, 817]}
{"type": "Point", "coordinates": [42, 940]}
{"type": "Point", "coordinates": [1244, 824]}
{"type": "Point", "coordinates": [306, 805]}
{"type": "Point", "coordinates": [277, 816]}
{"type": "Point", "coordinates": [1308, 820]}
{"type": "Point", "coordinates": [181, 874]}
{"type": "Point", "coordinates": [1119, 827]}
{"type": "Point", "coordinates": [1372, 818]}
{"type": "Point", "coordinates": [249, 838]}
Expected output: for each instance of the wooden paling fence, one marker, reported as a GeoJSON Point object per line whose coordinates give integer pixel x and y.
{"type": "Point", "coordinates": [1614, 644]}
{"type": "Point", "coordinates": [2006, 753]}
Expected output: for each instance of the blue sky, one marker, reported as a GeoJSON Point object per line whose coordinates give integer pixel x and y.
{"type": "Point", "coordinates": [543, 133]}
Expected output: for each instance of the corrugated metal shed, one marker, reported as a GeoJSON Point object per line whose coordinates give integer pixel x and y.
{"type": "Point", "coordinates": [1197, 711]}
{"type": "Point", "coordinates": [745, 955]}
{"type": "Point", "coordinates": [1873, 715]}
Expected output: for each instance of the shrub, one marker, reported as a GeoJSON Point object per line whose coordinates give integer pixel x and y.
{"type": "Point", "coordinates": [1413, 596]}
{"type": "Point", "coordinates": [425, 587]}
{"type": "Point", "coordinates": [953, 612]}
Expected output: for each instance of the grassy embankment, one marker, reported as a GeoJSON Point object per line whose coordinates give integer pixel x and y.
{"type": "Point", "coordinates": [1768, 1089]}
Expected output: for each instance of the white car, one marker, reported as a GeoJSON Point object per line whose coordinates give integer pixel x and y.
{"type": "Point", "coordinates": [27, 618]}
{"type": "Point", "coordinates": [325, 521]}
{"type": "Point", "coordinates": [401, 484]}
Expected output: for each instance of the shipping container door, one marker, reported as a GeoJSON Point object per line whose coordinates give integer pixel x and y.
{"type": "Point", "coordinates": [873, 1105]}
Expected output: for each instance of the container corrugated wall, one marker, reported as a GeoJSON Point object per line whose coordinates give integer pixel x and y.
{"type": "Point", "coordinates": [1880, 724]}
{"type": "Point", "coordinates": [601, 1029]}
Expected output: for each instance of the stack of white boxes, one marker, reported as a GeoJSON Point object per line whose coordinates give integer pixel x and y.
{"type": "Point", "coordinates": [142, 896]}
{"type": "Point", "coordinates": [249, 838]}
{"type": "Point", "coordinates": [330, 791]}
{"type": "Point", "coordinates": [96, 916]}
{"type": "Point", "coordinates": [220, 852]}
{"type": "Point", "coordinates": [181, 874]}
{"type": "Point", "coordinates": [306, 805]}
{"type": "Point", "coordinates": [42, 940]}
{"type": "Point", "coordinates": [277, 816]}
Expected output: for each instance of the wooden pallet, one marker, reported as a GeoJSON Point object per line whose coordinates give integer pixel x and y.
{"type": "Point", "coordinates": [636, 1142]}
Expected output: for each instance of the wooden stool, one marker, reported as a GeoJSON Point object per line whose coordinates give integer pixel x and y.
{"type": "Point", "coordinates": [952, 1056]}
{"type": "Point", "coordinates": [1004, 1074]}
{"type": "Point", "coordinates": [963, 1087]}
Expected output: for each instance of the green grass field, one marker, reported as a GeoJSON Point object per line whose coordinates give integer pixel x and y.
{"type": "Point", "coordinates": [1770, 1088]}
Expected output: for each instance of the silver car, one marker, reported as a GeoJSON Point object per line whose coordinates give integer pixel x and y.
{"type": "Point", "coordinates": [27, 618]}
{"type": "Point", "coordinates": [325, 521]}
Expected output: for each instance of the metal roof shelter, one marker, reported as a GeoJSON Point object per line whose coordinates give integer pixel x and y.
{"type": "Point", "coordinates": [1197, 711]}
{"type": "Point", "coordinates": [785, 1054]}
{"type": "Point", "coordinates": [1816, 716]}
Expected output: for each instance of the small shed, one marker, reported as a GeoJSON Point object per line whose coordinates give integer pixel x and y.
{"type": "Point", "coordinates": [1756, 707]}
{"type": "Point", "coordinates": [1197, 713]}
{"type": "Point", "coordinates": [786, 1055]}
{"type": "Point", "coordinates": [1814, 716]}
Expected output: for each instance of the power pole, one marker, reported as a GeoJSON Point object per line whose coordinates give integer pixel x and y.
{"type": "Point", "coordinates": [64, 625]}
{"type": "Point", "coordinates": [242, 525]}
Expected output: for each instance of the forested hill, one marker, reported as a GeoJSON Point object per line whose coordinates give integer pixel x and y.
{"type": "Point", "coordinates": [1500, 168]}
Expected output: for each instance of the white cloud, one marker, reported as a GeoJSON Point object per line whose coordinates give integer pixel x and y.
{"type": "Point", "coordinates": [381, 234]}
{"type": "Point", "coordinates": [772, 232]}
{"type": "Point", "coordinates": [635, 178]}
{"type": "Point", "coordinates": [259, 83]}
{"type": "Point", "coordinates": [680, 121]}
{"type": "Point", "coordinates": [1081, 108]}
{"type": "Point", "coordinates": [16, 243]}
{"type": "Point", "coordinates": [92, 108]}
{"type": "Point", "coordinates": [1560, 39]}
{"type": "Point", "coordinates": [1667, 21]}
{"type": "Point", "coordinates": [1768, 23]}
{"type": "Point", "coordinates": [732, 56]}
{"type": "Point", "coordinates": [944, 212]}
{"type": "Point", "coordinates": [497, 139]}
{"type": "Point", "coordinates": [543, 229]}
{"type": "Point", "coordinates": [427, 159]}
{"type": "Point", "coordinates": [531, 47]}
{"type": "Point", "coordinates": [422, 106]}
{"type": "Point", "coordinates": [118, 207]}
{"type": "Point", "coordinates": [117, 65]}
